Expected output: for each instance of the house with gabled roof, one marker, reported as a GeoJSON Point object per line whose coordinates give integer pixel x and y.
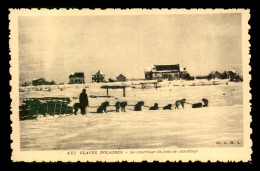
{"type": "Point", "coordinates": [77, 78]}
{"type": "Point", "coordinates": [121, 78]}
{"type": "Point", "coordinates": [98, 77]}
{"type": "Point", "coordinates": [169, 72]}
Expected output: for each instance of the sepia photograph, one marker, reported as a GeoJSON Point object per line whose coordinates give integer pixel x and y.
{"type": "Point", "coordinates": [140, 82]}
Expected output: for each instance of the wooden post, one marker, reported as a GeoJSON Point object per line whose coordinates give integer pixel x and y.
{"type": "Point", "coordinates": [107, 92]}
{"type": "Point", "coordinates": [66, 109]}
{"type": "Point", "coordinates": [47, 106]}
{"type": "Point", "coordinates": [54, 107]}
{"type": "Point", "coordinates": [60, 107]}
{"type": "Point", "coordinates": [124, 91]}
{"type": "Point", "coordinates": [155, 85]}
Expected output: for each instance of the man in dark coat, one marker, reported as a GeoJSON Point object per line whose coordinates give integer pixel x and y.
{"type": "Point", "coordinates": [83, 99]}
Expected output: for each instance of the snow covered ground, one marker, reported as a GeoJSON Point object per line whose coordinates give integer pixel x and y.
{"type": "Point", "coordinates": [201, 127]}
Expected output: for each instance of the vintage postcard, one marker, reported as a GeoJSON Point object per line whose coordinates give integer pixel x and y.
{"type": "Point", "coordinates": [130, 85]}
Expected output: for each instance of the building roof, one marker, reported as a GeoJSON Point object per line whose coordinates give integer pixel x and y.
{"type": "Point", "coordinates": [165, 71]}
{"type": "Point", "coordinates": [38, 79]}
{"type": "Point", "coordinates": [232, 71]}
{"type": "Point", "coordinates": [99, 73]}
{"type": "Point", "coordinates": [215, 72]}
{"type": "Point", "coordinates": [120, 76]}
{"type": "Point", "coordinates": [167, 67]}
{"type": "Point", "coordinates": [77, 74]}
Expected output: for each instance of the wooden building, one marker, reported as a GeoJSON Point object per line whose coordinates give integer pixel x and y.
{"type": "Point", "coordinates": [98, 77]}
{"type": "Point", "coordinates": [215, 75]}
{"type": "Point", "coordinates": [230, 74]}
{"type": "Point", "coordinates": [41, 81]}
{"type": "Point", "coordinates": [170, 72]}
{"type": "Point", "coordinates": [121, 78]}
{"type": "Point", "coordinates": [77, 78]}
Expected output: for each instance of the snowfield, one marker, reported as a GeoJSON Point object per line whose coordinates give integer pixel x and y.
{"type": "Point", "coordinates": [186, 128]}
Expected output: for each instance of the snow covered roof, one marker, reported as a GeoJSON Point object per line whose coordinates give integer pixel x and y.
{"type": "Point", "coordinates": [38, 79]}
{"type": "Point", "coordinates": [233, 71]}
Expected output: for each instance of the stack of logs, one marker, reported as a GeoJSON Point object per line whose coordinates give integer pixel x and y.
{"type": "Point", "coordinates": [32, 107]}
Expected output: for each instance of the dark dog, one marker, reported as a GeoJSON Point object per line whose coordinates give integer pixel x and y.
{"type": "Point", "coordinates": [206, 102]}
{"type": "Point", "coordinates": [103, 107]}
{"type": "Point", "coordinates": [76, 107]}
{"type": "Point", "coordinates": [138, 106]}
{"type": "Point", "coordinates": [117, 105]}
{"type": "Point", "coordinates": [169, 107]}
{"type": "Point", "coordinates": [154, 107]}
{"type": "Point", "coordinates": [196, 105]}
{"type": "Point", "coordinates": [180, 102]}
{"type": "Point", "coordinates": [123, 105]}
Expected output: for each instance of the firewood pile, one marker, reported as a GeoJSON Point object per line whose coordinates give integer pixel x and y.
{"type": "Point", "coordinates": [31, 108]}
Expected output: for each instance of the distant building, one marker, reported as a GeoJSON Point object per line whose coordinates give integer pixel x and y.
{"type": "Point", "coordinates": [98, 77]}
{"type": "Point", "coordinates": [41, 81]}
{"type": "Point", "coordinates": [214, 75]}
{"type": "Point", "coordinates": [77, 78]}
{"type": "Point", "coordinates": [230, 74]}
{"type": "Point", "coordinates": [169, 72]}
{"type": "Point", "coordinates": [217, 75]}
{"type": "Point", "coordinates": [121, 78]}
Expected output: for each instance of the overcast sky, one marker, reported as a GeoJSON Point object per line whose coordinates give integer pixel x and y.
{"type": "Point", "coordinates": [53, 47]}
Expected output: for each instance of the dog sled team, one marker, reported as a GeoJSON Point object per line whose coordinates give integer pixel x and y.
{"type": "Point", "coordinates": [83, 98]}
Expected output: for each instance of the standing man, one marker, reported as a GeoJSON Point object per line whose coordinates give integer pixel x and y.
{"type": "Point", "coordinates": [83, 99]}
